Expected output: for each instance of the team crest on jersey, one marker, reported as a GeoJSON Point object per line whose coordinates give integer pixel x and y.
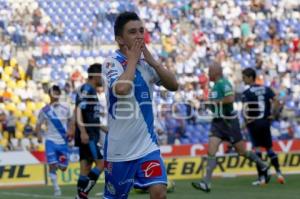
{"type": "Point", "coordinates": [110, 65]}
{"type": "Point", "coordinates": [152, 169]}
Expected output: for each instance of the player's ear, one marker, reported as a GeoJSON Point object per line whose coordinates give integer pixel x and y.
{"type": "Point", "coordinates": [120, 40]}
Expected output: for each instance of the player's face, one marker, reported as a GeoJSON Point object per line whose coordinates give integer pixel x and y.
{"type": "Point", "coordinates": [98, 80]}
{"type": "Point", "coordinates": [247, 80]}
{"type": "Point", "coordinates": [133, 30]}
{"type": "Point", "coordinates": [54, 96]}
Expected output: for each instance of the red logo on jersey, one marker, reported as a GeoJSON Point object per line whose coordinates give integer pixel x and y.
{"type": "Point", "coordinates": [152, 169]}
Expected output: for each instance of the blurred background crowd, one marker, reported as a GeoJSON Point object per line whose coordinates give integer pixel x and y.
{"type": "Point", "coordinates": [45, 42]}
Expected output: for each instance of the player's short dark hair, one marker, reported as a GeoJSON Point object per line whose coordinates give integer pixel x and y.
{"type": "Point", "coordinates": [95, 68]}
{"type": "Point", "coordinates": [54, 88]}
{"type": "Point", "coordinates": [122, 20]}
{"type": "Point", "coordinates": [249, 72]}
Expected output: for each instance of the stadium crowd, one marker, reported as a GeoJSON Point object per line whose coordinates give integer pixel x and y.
{"type": "Point", "coordinates": [185, 34]}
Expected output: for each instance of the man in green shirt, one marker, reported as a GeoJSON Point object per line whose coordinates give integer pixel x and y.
{"type": "Point", "coordinates": [224, 127]}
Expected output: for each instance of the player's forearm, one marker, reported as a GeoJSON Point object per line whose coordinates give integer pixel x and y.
{"type": "Point", "coordinates": [104, 128]}
{"type": "Point", "coordinates": [124, 84]}
{"type": "Point", "coordinates": [226, 100]}
{"type": "Point", "coordinates": [80, 122]}
{"type": "Point", "coordinates": [167, 78]}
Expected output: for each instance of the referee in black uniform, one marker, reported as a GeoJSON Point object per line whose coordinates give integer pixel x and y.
{"type": "Point", "coordinates": [259, 104]}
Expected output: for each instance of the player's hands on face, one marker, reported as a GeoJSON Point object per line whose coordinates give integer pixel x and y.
{"type": "Point", "coordinates": [84, 138]}
{"type": "Point", "coordinates": [148, 57]}
{"type": "Point", "coordinates": [134, 53]}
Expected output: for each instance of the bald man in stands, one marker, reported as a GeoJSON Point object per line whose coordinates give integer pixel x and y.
{"type": "Point", "coordinates": [224, 127]}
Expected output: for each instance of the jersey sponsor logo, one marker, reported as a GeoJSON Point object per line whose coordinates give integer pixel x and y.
{"type": "Point", "coordinates": [152, 169]}
{"type": "Point", "coordinates": [130, 180]}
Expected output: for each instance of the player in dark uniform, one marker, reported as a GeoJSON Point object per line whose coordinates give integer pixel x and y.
{"type": "Point", "coordinates": [87, 132]}
{"type": "Point", "coordinates": [260, 104]}
{"type": "Point", "coordinates": [224, 127]}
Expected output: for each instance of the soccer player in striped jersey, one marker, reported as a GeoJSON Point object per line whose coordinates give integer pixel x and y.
{"type": "Point", "coordinates": [131, 152]}
{"type": "Point", "coordinates": [56, 117]}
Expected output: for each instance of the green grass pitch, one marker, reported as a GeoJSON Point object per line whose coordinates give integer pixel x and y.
{"type": "Point", "coordinates": [223, 188]}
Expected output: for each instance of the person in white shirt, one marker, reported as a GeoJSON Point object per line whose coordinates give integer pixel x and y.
{"type": "Point", "coordinates": [131, 150]}
{"type": "Point", "coordinates": [56, 117]}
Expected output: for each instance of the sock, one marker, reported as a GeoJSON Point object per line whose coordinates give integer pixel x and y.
{"type": "Point", "coordinates": [259, 171]}
{"type": "Point", "coordinates": [93, 177]}
{"type": "Point", "coordinates": [211, 165]}
{"type": "Point", "coordinates": [252, 156]}
{"type": "Point", "coordinates": [53, 178]}
{"type": "Point", "coordinates": [274, 160]}
{"type": "Point", "coordinates": [81, 184]}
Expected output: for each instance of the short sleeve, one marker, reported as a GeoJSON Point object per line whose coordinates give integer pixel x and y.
{"type": "Point", "coordinates": [41, 117]}
{"type": "Point", "coordinates": [112, 70]}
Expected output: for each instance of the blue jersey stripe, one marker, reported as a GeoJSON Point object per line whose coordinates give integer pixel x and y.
{"type": "Point", "coordinates": [112, 101]}
{"type": "Point", "coordinates": [142, 95]}
{"type": "Point", "coordinates": [55, 121]}
{"type": "Point", "coordinates": [105, 147]}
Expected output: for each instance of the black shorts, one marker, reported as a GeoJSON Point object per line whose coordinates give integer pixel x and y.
{"type": "Point", "coordinates": [226, 129]}
{"type": "Point", "coordinates": [260, 133]}
{"type": "Point", "coordinates": [90, 151]}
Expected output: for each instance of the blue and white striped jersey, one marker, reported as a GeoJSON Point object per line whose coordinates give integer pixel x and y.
{"type": "Point", "coordinates": [55, 117]}
{"type": "Point", "coordinates": [130, 118]}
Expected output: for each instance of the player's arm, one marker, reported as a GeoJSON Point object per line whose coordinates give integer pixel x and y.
{"type": "Point", "coordinates": [228, 94]}
{"type": "Point", "coordinates": [83, 133]}
{"type": "Point", "coordinates": [167, 78]}
{"type": "Point", "coordinates": [226, 100]}
{"type": "Point", "coordinates": [104, 128]}
{"type": "Point", "coordinates": [38, 127]}
{"type": "Point", "coordinates": [275, 104]}
{"type": "Point", "coordinates": [124, 83]}
{"type": "Point", "coordinates": [71, 126]}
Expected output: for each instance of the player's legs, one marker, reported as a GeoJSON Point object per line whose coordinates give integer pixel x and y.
{"type": "Point", "coordinates": [52, 160]}
{"type": "Point", "coordinates": [274, 161]}
{"type": "Point", "coordinates": [158, 191]}
{"type": "Point", "coordinates": [260, 180]}
{"type": "Point", "coordinates": [89, 153]}
{"type": "Point", "coordinates": [213, 146]}
{"type": "Point", "coordinates": [240, 148]}
{"type": "Point", "coordinates": [63, 157]}
{"type": "Point", "coordinates": [151, 174]}
{"type": "Point", "coordinates": [119, 178]}
{"type": "Point", "coordinates": [83, 180]}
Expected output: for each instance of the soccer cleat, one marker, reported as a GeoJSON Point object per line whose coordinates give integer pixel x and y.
{"type": "Point", "coordinates": [81, 196]}
{"type": "Point", "coordinates": [203, 186]}
{"type": "Point", "coordinates": [57, 192]}
{"type": "Point", "coordinates": [280, 179]}
{"type": "Point", "coordinates": [259, 182]}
